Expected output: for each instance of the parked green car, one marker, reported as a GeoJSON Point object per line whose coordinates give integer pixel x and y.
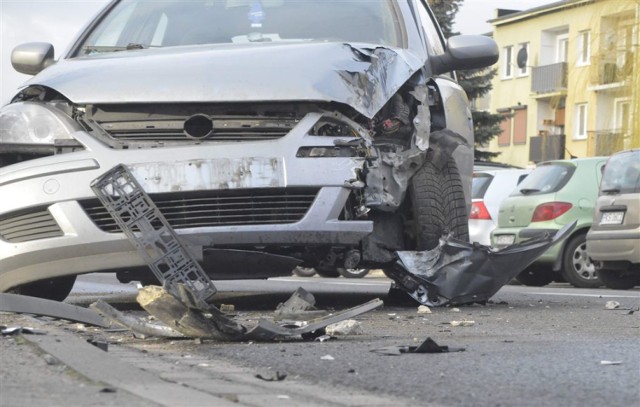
{"type": "Point", "coordinates": [553, 195]}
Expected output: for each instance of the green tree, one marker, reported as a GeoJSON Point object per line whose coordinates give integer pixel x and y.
{"type": "Point", "coordinates": [476, 83]}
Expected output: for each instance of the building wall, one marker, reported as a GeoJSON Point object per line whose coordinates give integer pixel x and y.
{"type": "Point", "coordinates": [584, 94]}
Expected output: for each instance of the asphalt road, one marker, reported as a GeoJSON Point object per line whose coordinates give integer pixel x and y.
{"type": "Point", "coordinates": [549, 346]}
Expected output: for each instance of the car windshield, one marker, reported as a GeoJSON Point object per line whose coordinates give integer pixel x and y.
{"type": "Point", "coordinates": [139, 24]}
{"type": "Point", "coordinates": [545, 179]}
{"type": "Point", "coordinates": [622, 174]}
{"type": "Point", "coordinates": [481, 182]}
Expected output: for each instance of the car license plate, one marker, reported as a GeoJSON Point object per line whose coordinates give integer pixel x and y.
{"type": "Point", "coordinates": [505, 240]}
{"type": "Point", "coordinates": [612, 218]}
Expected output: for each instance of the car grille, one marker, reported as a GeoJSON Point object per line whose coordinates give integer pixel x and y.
{"type": "Point", "coordinates": [219, 208]}
{"type": "Point", "coordinates": [24, 226]}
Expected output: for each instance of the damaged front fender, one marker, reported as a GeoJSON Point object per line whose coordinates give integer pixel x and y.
{"type": "Point", "coordinates": [457, 272]}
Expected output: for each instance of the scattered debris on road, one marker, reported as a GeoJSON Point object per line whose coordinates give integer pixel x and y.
{"type": "Point", "coordinates": [272, 376]}
{"type": "Point", "coordinates": [462, 323]}
{"type": "Point", "coordinates": [612, 305]}
{"type": "Point", "coordinates": [327, 357]}
{"type": "Point", "coordinates": [423, 309]}
{"type": "Point", "coordinates": [300, 306]}
{"type": "Point", "coordinates": [428, 346]}
{"type": "Point", "coordinates": [610, 363]}
{"type": "Point", "coordinates": [16, 330]}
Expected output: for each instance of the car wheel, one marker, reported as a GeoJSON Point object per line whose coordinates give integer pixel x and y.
{"type": "Point", "coordinates": [353, 273]}
{"type": "Point", "coordinates": [327, 272]}
{"type": "Point", "coordinates": [577, 268]}
{"type": "Point", "coordinates": [618, 279]}
{"type": "Point", "coordinates": [55, 289]}
{"type": "Point", "coordinates": [536, 276]}
{"type": "Point", "coordinates": [304, 271]}
{"type": "Point", "coordinates": [439, 206]}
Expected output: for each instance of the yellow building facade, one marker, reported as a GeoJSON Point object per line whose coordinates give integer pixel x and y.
{"type": "Point", "coordinates": [568, 80]}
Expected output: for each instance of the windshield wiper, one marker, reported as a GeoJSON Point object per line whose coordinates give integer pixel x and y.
{"type": "Point", "coordinates": [614, 190]}
{"type": "Point", "coordinates": [526, 191]}
{"type": "Point", "coordinates": [88, 49]}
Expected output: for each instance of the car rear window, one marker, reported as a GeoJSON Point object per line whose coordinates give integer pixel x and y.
{"type": "Point", "coordinates": [545, 179]}
{"type": "Point", "coordinates": [622, 174]}
{"type": "Point", "coordinates": [135, 24]}
{"type": "Point", "coordinates": [481, 182]}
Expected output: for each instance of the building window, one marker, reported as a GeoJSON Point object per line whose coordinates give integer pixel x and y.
{"type": "Point", "coordinates": [520, 125]}
{"type": "Point", "coordinates": [580, 123]}
{"type": "Point", "coordinates": [522, 59]}
{"type": "Point", "coordinates": [584, 48]}
{"type": "Point", "coordinates": [504, 139]}
{"type": "Point", "coordinates": [507, 62]}
{"type": "Point", "coordinates": [622, 115]}
{"type": "Point", "coordinates": [562, 48]}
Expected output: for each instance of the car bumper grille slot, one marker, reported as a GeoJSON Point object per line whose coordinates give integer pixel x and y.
{"type": "Point", "coordinates": [219, 208]}
{"type": "Point", "coordinates": [24, 226]}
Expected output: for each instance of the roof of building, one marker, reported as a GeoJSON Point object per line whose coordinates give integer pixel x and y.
{"type": "Point", "coordinates": [510, 16]}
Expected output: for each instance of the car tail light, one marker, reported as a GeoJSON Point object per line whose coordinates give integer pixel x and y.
{"type": "Point", "coordinates": [479, 211]}
{"type": "Point", "coordinates": [550, 211]}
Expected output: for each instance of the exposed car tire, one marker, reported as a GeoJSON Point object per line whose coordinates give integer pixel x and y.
{"type": "Point", "coordinates": [353, 273]}
{"type": "Point", "coordinates": [55, 289]}
{"type": "Point", "coordinates": [536, 276]}
{"type": "Point", "coordinates": [439, 206]}
{"type": "Point", "coordinates": [327, 272]}
{"type": "Point", "coordinates": [618, 279]}
{"type": "Point", "coordinates": [304, 271]}
{"type": "Point", "coordinates": [577, 269]}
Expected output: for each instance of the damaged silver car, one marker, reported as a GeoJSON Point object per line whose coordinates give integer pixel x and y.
{"type": "Point", "coordinates": [269, 133]}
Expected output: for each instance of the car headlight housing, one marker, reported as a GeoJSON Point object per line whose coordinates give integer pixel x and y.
{"type": "Point", "coordinates": [30, 123]}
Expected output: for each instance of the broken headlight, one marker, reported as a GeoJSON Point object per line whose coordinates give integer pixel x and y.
{"type": "Point", "coordinates": [29, 123]}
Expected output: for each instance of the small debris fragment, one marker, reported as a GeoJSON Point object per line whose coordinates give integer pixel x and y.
{"type": "Point", "coordinates": [108, 390]}
{"type": "Point", "coordinates": [423, 309]}
{"type": "Point", "coordinates": [227, 307]}
{"type": "Point", "coordinates": [427, 346]}
{"type": "Point", "coordinates": [327, 357]}
{"type": "Point", "coordinates": [351, 370]}
{"type": "Point", "coordinates": [347, 327]}
{"type": "Point", "coordinates": [102, 345]}
{"type": "Point", "coordinates": [455, 309]}
{"type": "Point", "coordinates": [462, 323]}
{"type": "Point", "coordinates": [610, 363]}
{"type": "Point", "coordinates": [272, 376]}
{"type": "Point", "coordinates": [630, 312]}
{"type": "Point", "coordinates": [322, 338]}
{"type": "Point", "coordinates": [612, 305]}
{"type": "Point", "coordinates": [15, 330]}
{"type": "Point", "coordinates": [52, 361]}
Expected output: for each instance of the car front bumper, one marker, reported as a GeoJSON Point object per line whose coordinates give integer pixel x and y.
{"type": "Point", "coordinates": [64, 239]}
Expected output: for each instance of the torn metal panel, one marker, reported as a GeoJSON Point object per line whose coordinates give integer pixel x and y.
{"type": "Point", "coordinates": [300, 306]}
{"type": "Point", "coordinates": [37, 306]}
{"type": "Point", "coordinates": [134, 324]}
{"type": "Point", "coordinates": [457, 272]}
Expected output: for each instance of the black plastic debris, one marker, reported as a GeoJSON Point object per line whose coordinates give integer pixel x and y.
{"type": "Point", "coordinates": [272, 376]}
{"type": "Point", "coordinates": [102, 345]}
{"type": "Point", "coordinates": [428, 346]}
{"type": "Point", "coordinates": [23, 304]}
{"type": "Point", "coordinates": [300, 306]}
{"type": "Point", "coordinates": [458, 272]}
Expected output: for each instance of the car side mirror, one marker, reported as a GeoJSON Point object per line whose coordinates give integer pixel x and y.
{"type": "Point", "coordinates": [32, 57]}
{"type": "Point", "coordinates": [466, 52]}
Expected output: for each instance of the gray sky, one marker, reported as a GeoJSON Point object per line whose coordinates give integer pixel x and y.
{"type": "Point", "coordinates": [58, 22]}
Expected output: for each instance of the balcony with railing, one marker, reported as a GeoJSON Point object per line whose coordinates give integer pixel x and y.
{"type": "Point", "coordinates": [549, 78]}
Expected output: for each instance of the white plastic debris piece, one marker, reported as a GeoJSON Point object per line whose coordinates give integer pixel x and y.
{"type": "Point", "coordinates": [610, 362]}
{"type": "Point", "coordinates": [346, 327]}
{"type": "Point", "coordinates": [612, 305]}
{"type": "Point", "coordinates": [462, 323]}
{"type": "Point", "coordinates": [423, 309]}
{"type": "Point", "coordinates": [455, 309]}
{"type": "Point", "coordinates": [328, 357]}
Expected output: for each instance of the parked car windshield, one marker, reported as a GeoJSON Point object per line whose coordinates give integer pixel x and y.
{"type": "Point", "coordinates": [138, 24]}
{"type": "Point", "coordinates": [545, 179]}
{"type": "Point", "coordinates": [622, 174]}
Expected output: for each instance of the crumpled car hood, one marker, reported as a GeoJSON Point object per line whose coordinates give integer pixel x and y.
{"type": "Point", "coordinates": [360, 76]}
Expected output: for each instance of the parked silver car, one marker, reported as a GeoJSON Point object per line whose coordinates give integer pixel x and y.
{"type": "Point", "coordinates": [263, 139]}
{"type": "Point", "coordinates": [488, 190]}
{"type": "Point", "coordinates": [613, 242]}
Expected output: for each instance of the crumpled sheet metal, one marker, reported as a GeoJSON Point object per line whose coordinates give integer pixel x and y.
{"type": "Point", "coordinates": [191, 318]}
{"type": "Point", "coordinates": [457, 272]}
